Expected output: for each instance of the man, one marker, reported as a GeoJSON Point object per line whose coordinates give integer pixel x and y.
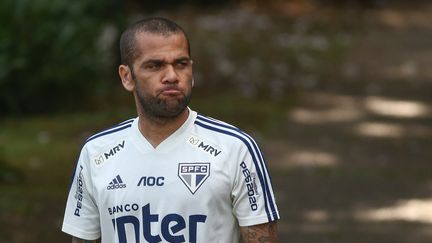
{"type": "Point", "coordinates": [170, 175]}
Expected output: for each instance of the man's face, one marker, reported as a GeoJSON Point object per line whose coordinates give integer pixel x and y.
{"type": "Point", "coordinates": [162, 75]}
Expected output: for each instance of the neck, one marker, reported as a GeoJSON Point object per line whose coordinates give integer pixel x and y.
{"type": "Point", "coordinates": [156, 130]}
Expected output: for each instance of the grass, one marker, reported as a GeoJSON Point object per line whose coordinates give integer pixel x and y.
{"type": "Point", "coordinates": [38, 154]}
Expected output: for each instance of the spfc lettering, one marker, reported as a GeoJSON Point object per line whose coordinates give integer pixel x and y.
{"type": "Point", "coordinates": [193, 175]}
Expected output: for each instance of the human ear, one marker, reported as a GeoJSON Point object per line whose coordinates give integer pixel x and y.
{"type": "Point", "coordinates": [193, 80]}
{"type": "Point", "coordinates": [126, 77]}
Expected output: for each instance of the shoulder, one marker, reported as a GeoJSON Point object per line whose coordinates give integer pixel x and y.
{"type": "Point", "coordinates": [224, 131]}
{"type": "Point", "coordinates": [109, 136]}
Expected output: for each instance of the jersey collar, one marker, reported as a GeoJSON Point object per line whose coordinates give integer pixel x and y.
{"type": "Point", "coordinates": [169, 143]}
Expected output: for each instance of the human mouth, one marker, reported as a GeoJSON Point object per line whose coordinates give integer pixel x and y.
{"type": "Point", "coordinates": [170, 91]}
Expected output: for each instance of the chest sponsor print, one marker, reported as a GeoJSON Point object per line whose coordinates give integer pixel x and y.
{"type": "Point", "coordinates": [193, 175]}
{"type": "Point", "coordinates": [204, 146]}
{"type": "Point", "coordinates": [109, 154]}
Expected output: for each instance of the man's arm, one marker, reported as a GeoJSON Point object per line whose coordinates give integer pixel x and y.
{"type": "Point", "coordinates": [260, 233]}
{"type": "Point", "coordinates": [77, 240]}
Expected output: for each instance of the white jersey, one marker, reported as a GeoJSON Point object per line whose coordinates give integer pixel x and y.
{"type": "Point", "coordinates": [199, 185]}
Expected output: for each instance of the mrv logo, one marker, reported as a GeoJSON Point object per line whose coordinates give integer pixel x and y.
{"type": "Point", "coordinates": [105, 156]}
{"type": "Point", "coordinates": [193, 175]}
{"type": "Point", "coordinates": [173, 227]}
{"type": "Point", "coordinates": [197, 142]}
{"type": "Point", "coordinates": [115, 150]}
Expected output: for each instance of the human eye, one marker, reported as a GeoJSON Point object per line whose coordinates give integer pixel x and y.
{"type": "Point", "coordinates": [153, 66]}
{"type": "Point", "coordinates": [182, 64]}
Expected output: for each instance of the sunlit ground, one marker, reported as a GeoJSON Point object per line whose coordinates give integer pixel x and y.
{"type": "Point", "coordinates": [411, 210]}
{"type": "Point", "coordinates": [372, 155]}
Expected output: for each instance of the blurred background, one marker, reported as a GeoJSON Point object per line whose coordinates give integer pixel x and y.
{"type": "Point", "coordinates": [338, 94]}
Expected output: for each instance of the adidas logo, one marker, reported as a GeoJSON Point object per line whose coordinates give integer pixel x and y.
{"type": "Point", "coordinates": [116, 183]}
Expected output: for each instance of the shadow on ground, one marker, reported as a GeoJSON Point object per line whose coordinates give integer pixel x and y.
{"type": "Point", "coordinates": [353, 164]}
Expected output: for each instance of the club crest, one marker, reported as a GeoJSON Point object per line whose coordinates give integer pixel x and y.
{"type": "Point", "coordinates": [193, 175]}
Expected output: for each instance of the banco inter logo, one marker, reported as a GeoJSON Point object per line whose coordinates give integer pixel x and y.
{"type": "Point", "coordinates": [155, 227]}
{"type": "Point", "coordinates": [116, 183]}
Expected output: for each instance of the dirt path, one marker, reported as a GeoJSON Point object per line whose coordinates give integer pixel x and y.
{"type": "Point", "coordinates": [354, 161]}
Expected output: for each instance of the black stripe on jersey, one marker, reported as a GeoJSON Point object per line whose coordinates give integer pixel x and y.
{"type": "Point", "coordinates": [113, 129]}
{"type": "Point", "coordinates": [263, 175]}
{"type": "Point", "coordinates": [122, 123]}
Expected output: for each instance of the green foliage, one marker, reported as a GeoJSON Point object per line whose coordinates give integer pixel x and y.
{"type": "Point", "coordinates": [48, 53]}
{"type": "Point", "coordinates": [256, 55]}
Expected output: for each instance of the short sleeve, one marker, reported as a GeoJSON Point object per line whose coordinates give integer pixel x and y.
{"type": "Point", "coordinates": [253, 197]}
{"type": "Point", "coordinates": [81, 218]}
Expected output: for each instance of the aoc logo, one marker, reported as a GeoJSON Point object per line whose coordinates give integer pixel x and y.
{"type": "Point", "coordinates": [105, 156]}
{"type": "Point", "coordinates": [198, 143]}
{"type": "Point", "coordinates": [193, 175]}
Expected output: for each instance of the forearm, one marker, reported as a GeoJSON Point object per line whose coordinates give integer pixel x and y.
{"type": "Point", "coordinates": [262, 233]}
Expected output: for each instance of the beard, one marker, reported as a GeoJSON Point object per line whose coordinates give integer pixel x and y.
{"type": "Point", "coordinates": [161, 108]}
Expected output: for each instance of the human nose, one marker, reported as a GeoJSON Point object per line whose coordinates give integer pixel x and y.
{"type": "Point", "coordinates": [170, 74]}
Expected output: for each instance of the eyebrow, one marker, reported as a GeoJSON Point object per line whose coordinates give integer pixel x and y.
{"type": "Point", "coordinates": [163, 61]}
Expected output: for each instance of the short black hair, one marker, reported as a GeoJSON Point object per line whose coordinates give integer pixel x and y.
{"type": "Point", "coordinates": [155, 25]}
